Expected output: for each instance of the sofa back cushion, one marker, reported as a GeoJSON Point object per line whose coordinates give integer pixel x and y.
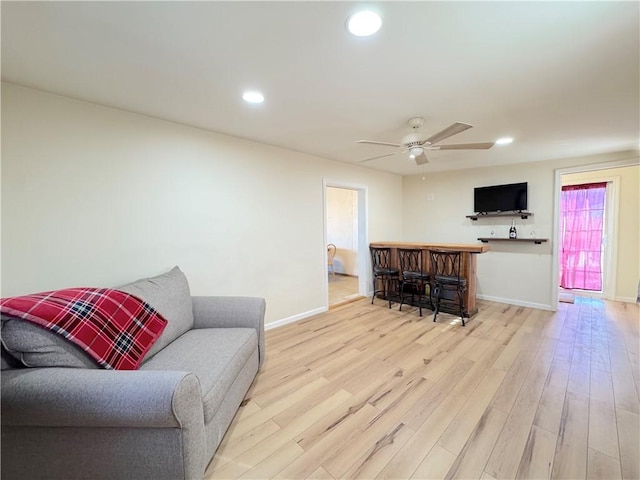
{"type": "Point", "coordinates": [169, 294]}
{"type": "Point", "coordinates": [35, 346]}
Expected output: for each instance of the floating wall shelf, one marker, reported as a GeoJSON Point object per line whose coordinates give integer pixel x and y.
{"type": "Point", "coordinates": [537, 241]}
{"type": "Point", "coordinates": [522, 215]}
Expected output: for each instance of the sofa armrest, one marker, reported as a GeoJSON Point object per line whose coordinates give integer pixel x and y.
{"type": "Point", "coordinates": [72, 397]}
{"type": "Point", "coordinates": [76, 424]}
{"type": "Point", "coordinates": [231, 312]}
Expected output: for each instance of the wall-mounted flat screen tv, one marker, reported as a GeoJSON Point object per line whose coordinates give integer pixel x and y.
{"type": "Point", "coordinates": [500, 198]}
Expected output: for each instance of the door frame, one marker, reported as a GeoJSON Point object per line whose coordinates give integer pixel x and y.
{"type": "Point", "coordinates": [363, 238]}
{"type": "Point", "coordinates": [613, 250]}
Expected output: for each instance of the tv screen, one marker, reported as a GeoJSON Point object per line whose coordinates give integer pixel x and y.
{"type": "Point", "coordinates": [500, 198]}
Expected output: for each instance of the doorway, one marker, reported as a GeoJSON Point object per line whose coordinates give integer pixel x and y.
{"type": "Point", "coordinates": [583, 235]}
{"type": "Point", "coordinates": [609, 175]}
{"type": "Point", "coordinates": [345, 239]}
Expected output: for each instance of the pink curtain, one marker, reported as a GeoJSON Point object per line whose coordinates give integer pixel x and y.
{"type": "Point", "coordinates": [582, 221]}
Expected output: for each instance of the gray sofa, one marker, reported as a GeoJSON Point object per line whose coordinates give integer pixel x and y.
{"type": "Point", "coordinates": [64, 418]}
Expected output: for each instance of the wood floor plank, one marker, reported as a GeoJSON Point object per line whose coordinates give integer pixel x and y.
{"type": "Point", "coordinates": [436, 370]}
{"type": "Point", "coordinates": [601, 466]}
{"type": "Point", "coordinates": [549, 413]}
{"type": "Point", "coordinates": [513, 349]}
{"type": "Point", "coordinates": [360, 375]}
{"type": "Point", "coordinates": [378, 455]}
{"type": "Point", "coordinates": [265, 414]}
{"type": "Point", "coordinates": [234, 445]}
{"type": "Point", "coordinates": [461, 427]}
{"type": "Point", "coordinates": [570, 460]}
{"type": "Point", "coordinates": [580, 373]}
{"type": "Point", "coordinates": [629, 437]}
{"type": "Point", "coordinates": [285, 388]}
{"type": "Point", "coordinates": [425, 406]}
{"type": "Point", "coordinates": [556, 321]}
{"type": "Point", "coordinates": [551, 402]}
{"type": "Point", "coordinates": [384, 427]}
{"type": "Point", "coordinates": [634, 361]}
{"type": "Point", "coordinates": [515, 377]}
{"type": "Point", "coordinates": [320, 474]}
{"type": "Point", "coordinates": [510, 445]}
{"type": "Point", "coordinates": [624, 387]}
{"type": "Point", "coordinates": [509, 448]}
{"type": "Point", "coordinates": [479, 370]}
{"type": "Point", "coordinates": [333, 420]}
{"type": "Point", "coordinates": [435, 465]}
{"type": "Point", "coordinates": [407, 460]}
{"type": "Point", "coordinates": [602, 387]}
{"type": "Point", "coordinates": [486, 476]}
{"type": "Point", "coordinates": [473, 457]}
{"type": "Point", "coordinates": [537, 458]}
{"type": "Point", "coordinates": [257, 453]}
{"type": "Point", "coordinates": [330, 443]}
{"type": "Point", "coordinates": [295, 410]}
{"type": "Point", "coordinates": [603, 431]}
{"type": "Point", "coordinates": [397, 388]}
{"type": "Point", "coordinates": [247, 408]}
{"type": "Point", "coordinates": [479, 349]}
{"type": "Point", "coordinates": [275, 463]}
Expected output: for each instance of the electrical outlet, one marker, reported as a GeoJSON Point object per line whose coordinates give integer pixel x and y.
{"type": "Point", "coordinates": [430, 197]}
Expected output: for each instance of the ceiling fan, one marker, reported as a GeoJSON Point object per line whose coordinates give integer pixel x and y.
{"type": "Point", "coordinates": [416, 145]}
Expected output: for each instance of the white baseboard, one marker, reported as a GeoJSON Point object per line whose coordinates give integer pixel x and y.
{"type": "Point", "coordinates": [295, 318]}
{"type": "Point", "coordinates": [626, 299]}
{"type": "Point", "coordinates": [519, 303]}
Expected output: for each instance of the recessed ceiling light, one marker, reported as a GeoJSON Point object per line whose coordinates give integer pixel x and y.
{"type": "Point", "coordinates": [363, 24]}
{"type": "Point", "coordinates": [504, 141]}
{"type": "Point", "coordinates": [253, 97]}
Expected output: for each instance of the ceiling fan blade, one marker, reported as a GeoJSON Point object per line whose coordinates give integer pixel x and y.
{"type": "Point", "coordinates": [421, 159]}
{"type": "Point", "coordinates": [463, 146]}
{"type": "Point", "coordinates": [373, 142]}
{"type": "Point", "coordinates": [451, 130]}
{"type": "Point", "coordinates": [380, 156]}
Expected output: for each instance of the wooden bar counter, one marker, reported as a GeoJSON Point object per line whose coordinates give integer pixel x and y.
{"type": "Point", "coordinates": [468, 262]}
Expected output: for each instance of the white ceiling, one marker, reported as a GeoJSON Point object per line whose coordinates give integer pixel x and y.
{"type": "Point", "coordinates": [562, 78]}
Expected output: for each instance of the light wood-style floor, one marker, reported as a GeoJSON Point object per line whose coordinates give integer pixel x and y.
{"type": "Point", "coordinates": [367, 392]}
{"type": "Point", "coordinates": [342, 288]}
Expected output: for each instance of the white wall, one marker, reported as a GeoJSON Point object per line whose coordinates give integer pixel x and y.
{"type": "Point", "coordinates": [434, 210]}
{"type": "Point", "coordinates": [98, 196]}
{"type": "Point", "coordinates": [342, 228]}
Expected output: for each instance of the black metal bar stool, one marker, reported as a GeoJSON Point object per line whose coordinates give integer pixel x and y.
{"type": "Point", "coordinates": [413, 279]}
{"type": "Point", "coordinates": [383, 274]}
{"type": "Point", "coordinates": [447, 286]}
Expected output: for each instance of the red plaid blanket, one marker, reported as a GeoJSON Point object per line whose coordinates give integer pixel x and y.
{"type": "Point", "coordinates": [115, 328]}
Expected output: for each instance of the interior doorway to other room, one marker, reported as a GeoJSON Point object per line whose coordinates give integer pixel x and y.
{"type": "Point", "coordinates": [342, 232]}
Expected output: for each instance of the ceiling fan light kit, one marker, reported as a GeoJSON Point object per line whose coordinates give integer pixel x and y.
{"type": "Point", "coordinates": [415, 152]}
{"type": "Point", "coordinates": [416, 144]}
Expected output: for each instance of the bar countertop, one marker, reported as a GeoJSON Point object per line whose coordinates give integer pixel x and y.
{"type": "Point", "coordinates": [462, 247]}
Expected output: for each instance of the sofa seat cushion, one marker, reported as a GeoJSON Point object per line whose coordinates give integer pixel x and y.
{"type": "Point", "coordinates": [215, 355]}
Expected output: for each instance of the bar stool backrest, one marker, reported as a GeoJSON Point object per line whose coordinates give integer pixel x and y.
{"type": "Point", "coordinates": [445, 262]}
{"type": "Point", "coordinates": [380, 258]}
{"type": "Point", "coordinates": [410, 259]}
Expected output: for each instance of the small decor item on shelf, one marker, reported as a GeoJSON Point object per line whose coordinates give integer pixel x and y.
{"type": "Point", "coordinates": [512, 230]}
